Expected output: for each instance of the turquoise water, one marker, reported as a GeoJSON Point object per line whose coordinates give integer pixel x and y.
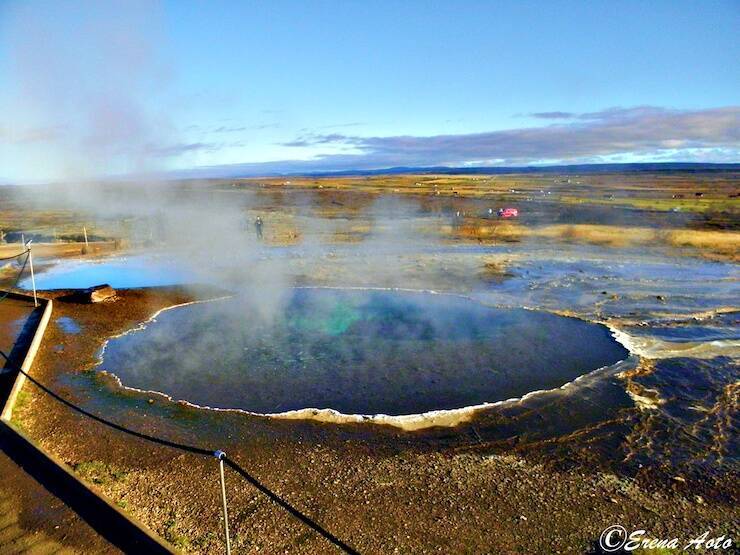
{"type": "Point", "coordinates": [358, 352]}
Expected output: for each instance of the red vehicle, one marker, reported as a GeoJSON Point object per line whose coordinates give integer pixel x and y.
{"type": "Point", "coordinates": [508, 212]}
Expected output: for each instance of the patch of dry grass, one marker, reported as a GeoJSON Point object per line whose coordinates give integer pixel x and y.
{"type": "Point", "coordinates": [608, 235]}
{"type": "Point", "coordinates": [724, 244]}
{"type": "Point", "coordinates": [486, 230]}
{"type": "Point", "coordinates": [495, 269]}
{"type": "Point", "coordinates": [714, 244]}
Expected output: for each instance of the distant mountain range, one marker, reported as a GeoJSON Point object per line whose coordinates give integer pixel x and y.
{"type": "Point", "coordinates": [563, 169]}
{"type": "Point", "coordinates": [240, 171]}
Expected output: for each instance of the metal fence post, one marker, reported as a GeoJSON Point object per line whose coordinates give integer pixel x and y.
{"type": "Point", "coordinates": [33, 278]}
{"type": "Point", "coordinates": [220, 455]}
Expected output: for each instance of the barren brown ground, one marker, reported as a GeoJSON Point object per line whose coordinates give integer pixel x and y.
{"type": "Point", "coordinates": [12, 318]}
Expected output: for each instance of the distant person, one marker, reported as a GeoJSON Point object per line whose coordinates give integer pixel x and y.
{"type": "Point", "coordinates": [258, 227]}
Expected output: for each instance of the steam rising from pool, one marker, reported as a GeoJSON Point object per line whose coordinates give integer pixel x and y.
{"type": "Point", "coordinates": [356, 352]}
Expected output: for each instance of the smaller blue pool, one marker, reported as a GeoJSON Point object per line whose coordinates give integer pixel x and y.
{"type": "Point", "coordinates": [132, 271]}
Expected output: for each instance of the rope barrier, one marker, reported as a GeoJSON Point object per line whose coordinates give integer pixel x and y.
{"type": "Point", "coordinates": [20, 273]}
{"type": "Point", "coordinates": [140, 435]}
{"type": "Point", "coordinates": [197, 451]}
{"type": "Point", "coordinates": [14, 256]}
{"type": "Point", "coordinates": [288, 507]}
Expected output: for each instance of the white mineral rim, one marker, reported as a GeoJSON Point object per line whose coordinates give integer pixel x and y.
{"type": "Point", "coordinates": [407, 422]}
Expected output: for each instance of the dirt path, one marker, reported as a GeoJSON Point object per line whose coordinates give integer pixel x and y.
{"type": "Point", "coordinates": [13, 313]}
{"type": "Point", "coordinates": [34, 521]}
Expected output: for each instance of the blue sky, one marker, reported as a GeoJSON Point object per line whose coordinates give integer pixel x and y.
{"type": "Point", "coordinates": [117, 87]}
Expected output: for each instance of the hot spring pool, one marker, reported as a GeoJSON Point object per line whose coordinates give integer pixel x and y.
{"type": "Point", "coordinates": [356, 351]}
